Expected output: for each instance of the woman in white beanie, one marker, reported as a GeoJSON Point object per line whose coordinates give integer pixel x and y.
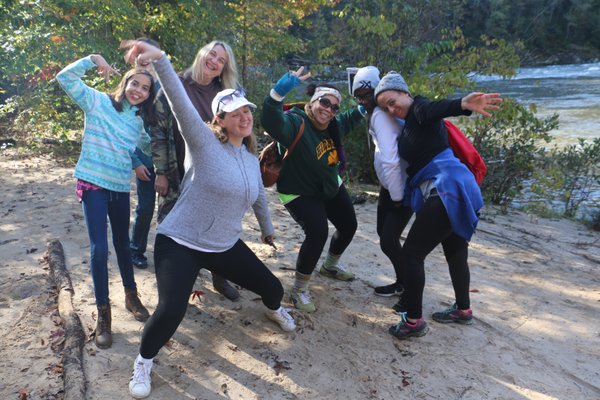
{"type": "Point", "coordinates": [442, 192]}
{"type": "Point", "coordinates": [392, 214]}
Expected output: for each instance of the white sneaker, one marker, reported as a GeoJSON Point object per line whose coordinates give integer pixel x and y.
{"type": "Point", "coordinates": [140, 383]}
{"type": "Point", "coordinates": [283, 318]}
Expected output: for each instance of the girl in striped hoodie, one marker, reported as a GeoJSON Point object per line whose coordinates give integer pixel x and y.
{"type": "Point", "coordinates": [112, 130]}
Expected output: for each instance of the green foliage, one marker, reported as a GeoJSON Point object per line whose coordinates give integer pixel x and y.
{"type": "Point", "coordinates": [509, 142]}
{"type": "Point", "coordinates": [570, 176]}
{"type": "Point", "coordinates": [359, 155]}
{"type": "Point", "coordinates": [435, 44]}
{"type": "Point", "coordinates": [546, 27]}
{"type": "Point", "coordinates": [41, 37]}
{"type": "Point", "coordinates": [437, 69]}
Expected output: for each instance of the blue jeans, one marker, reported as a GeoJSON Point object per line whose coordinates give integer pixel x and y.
{"type": "Point", "coordinates": [143, 214]}
{"type": "Point", "coordinates": [97, 204]}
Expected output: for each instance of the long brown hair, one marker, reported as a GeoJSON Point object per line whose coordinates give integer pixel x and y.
{"type": "Point", "coordinates": [146, 108]}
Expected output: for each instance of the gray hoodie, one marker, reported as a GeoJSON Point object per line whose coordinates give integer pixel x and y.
{"type": "Point", "coordinates": [221, 181]}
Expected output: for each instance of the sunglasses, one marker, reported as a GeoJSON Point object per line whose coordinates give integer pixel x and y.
{"type": "Point", "coordinates": [326, 103]}
{"type": "Point", "coordinates": [240, 92]}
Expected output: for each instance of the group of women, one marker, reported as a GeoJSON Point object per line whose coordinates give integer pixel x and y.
{"type": "Point", "coordinates": [214, 163]}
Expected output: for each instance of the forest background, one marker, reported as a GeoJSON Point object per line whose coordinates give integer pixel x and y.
{"type": "Point", "coordinates": [438, 45]}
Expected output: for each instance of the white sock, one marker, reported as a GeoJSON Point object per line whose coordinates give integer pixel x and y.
{"type": "Point", "coordinates": [148, 362]}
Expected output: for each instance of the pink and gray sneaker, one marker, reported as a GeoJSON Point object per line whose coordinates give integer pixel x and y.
{"type": "Point", "coordinates": [453, 314]}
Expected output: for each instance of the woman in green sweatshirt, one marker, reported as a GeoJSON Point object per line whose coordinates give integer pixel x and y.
{"type": "Point", "coordinates": [309, 184]}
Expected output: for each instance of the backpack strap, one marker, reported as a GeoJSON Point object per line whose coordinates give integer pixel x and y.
{"type": "Point", "coordinates": [288, 152]}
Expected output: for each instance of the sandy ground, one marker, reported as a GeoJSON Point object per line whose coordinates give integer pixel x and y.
{"type": "Point", "coordinates": [535, 295]}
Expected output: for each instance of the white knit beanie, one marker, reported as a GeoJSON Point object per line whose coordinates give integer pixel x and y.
{"type": "Point", "coordinates": [365, 78]}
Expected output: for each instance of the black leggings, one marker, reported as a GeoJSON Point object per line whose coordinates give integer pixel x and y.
{"type": "Point", "coordinates": [312, 215]}
{"type": "Point", "coordinates": [177, 267]}
{"type": "Point", "coordinates": [391, 221]}
{"type": "Point", "coordinates": [430, 228]}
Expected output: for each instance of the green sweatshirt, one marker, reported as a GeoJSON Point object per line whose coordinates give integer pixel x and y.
{"type": "Point", "coordinates": [312, 169]}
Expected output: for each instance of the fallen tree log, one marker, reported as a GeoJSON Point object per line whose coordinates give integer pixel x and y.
{"type": "Point", "coordinates": [73, 375]}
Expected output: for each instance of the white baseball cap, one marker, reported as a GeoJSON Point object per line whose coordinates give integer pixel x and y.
{"type": "Point", "coordinates": [229, 100]}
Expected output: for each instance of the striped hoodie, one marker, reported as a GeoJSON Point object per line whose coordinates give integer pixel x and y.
{"type": "Point", "coordinates": [109, 137]}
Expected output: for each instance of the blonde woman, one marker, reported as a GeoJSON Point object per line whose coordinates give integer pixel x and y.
{"type": "Point", "coordinates": [213, 70]}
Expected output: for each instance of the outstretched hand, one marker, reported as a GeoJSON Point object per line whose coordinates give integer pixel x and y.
{"type": "Point", "coordinates": [139, 51]}
{"type": "Point", "coordinates": [480, 102]}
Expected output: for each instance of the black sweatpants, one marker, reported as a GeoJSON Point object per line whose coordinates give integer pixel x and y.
{"type": "Point", "coordinates": [430, 228]}
{"type": "Point", "coordinates": [177, 267]}
{"type": "Point", "coordinates": [312, 215]}
{"type": "Point", "coordinates": [391, 221]}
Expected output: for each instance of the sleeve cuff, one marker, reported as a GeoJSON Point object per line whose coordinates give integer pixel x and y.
{"type": "Point", "coordinates": [275, 96]}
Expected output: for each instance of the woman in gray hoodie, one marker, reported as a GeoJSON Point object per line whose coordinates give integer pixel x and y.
{"type": "Point", "coordinates": [222, 180]}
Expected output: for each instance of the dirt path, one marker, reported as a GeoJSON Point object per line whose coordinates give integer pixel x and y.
{"type": "Point", "coordinates": [535, 295]}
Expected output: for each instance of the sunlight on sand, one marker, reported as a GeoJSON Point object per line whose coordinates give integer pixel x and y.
{"type": "Point", "coordinates": [526, 393]}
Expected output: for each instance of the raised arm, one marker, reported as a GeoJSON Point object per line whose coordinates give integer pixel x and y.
{"type": "Point", "coordinates": [69, 78]}
{"type": "Point", "coordinates": [348, 120]}
{"type": "Point", "coordinates": [282, 127]}
{"type": "Point", "coordinates": [192, 128]}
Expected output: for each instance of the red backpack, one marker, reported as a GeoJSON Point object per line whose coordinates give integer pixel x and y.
{"type": "Point", "coordinates": [465, 151]}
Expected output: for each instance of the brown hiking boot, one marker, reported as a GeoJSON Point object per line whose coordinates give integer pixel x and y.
{"type": "Point", "coordinates": [102, 334]}
{"type": "Point", "coordinates": [134, 305]}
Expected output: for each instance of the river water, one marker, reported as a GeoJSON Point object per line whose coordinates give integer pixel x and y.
{"type": "Point", "coordinates": [572, 91]}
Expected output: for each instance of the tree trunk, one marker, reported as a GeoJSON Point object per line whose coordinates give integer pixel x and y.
{"type": "Point", "coordinates": [73, 375]}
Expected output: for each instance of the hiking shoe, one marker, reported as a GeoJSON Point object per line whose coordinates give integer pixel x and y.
{"type": "Point", "coordinates": [139, 260]}
{"type": "Point", "coordinates": [453, 314]}
{"type": "Point", "coordinates": [134, 305]}
{"type": "Point", "coordinates": [223, 286]}
{"type": "Point", "coordinates": [302, 301]}
{"type": "Point", "coordinates": [102, 334]}
{"type": "Point", "coordinates": [399, 307]}
{"type": "Point", "coordinates": [283, 318]}
{"type": "Point", "coordinates": [338, 272]}
{"type": "Point", "coordinates": [395, 289]}
{"type": "Point", "coordinates": [404, 329]}
{"type": "Point", "coordinates": [140, 383]}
